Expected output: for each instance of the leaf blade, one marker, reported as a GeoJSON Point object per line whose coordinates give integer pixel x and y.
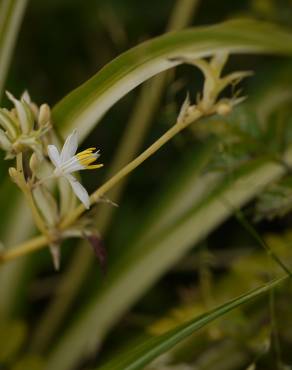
{"type": "Point", "coordinates": [142, 355]}
{"type": "Point", "coordinates": [87, 104]}
{"type": "Point", "coordinates": [11, 14]}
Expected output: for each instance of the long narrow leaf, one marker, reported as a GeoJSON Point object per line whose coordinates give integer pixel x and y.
{"type": "Point", "coordinates": [11, 14]}
{"type": "Point", "coordinates": [87, 104]}
{"type": "Point", "coordinates": [19, 228]}
{"type": "Point", "coordinates": [143, 354]}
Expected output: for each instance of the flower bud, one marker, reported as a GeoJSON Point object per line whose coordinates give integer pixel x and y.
{"type": "Point", "coordinates": [8, 123]}
{"type": "Point", "coordinates": [223, 108]}
{"type": "Point", "coordinates": [33, 163]}
{"type": "Point", "coordinates": [13, 174]}
{"type": "Point", "coordinates": [44, 115]}
{"type": "Point", "coordinates": [5, 144]}
{"type": "Point", "coordinates": [24, 113]}
{"type": "Point", "coordinates": [26, 97]}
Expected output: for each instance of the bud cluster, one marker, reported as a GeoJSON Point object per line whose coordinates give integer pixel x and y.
{"type": "Point", "coordinates": [22, 127]}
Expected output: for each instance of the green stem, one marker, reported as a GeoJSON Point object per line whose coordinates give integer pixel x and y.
{"type": "Point", "coordinates": [25, 248]}
{"type": "Point", "coordinates": [174, 130]}
{"type": "Point", "coordinates": [28, 196]}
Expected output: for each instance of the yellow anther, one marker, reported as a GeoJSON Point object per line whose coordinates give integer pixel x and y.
{"type": "Point", "coordinates": [86, 158]}
{"type": "Point", "coordinates": [86, 151]}
{"type": "Point", "coordinates": [94, 166]}
{"type": "Point", "coordinates": [86, 161]}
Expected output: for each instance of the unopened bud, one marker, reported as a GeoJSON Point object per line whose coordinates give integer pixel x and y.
{"type": "Point", "coordinates": [35, 110]}
{"type": "Point", "coordinates": [13, 173]}
{"type": "Point", "coordinates": [24, 113]}
{"type": "Point", "coordinates": [44, 115]}
{"type": "Point", "coordinates": [25, 96]}
{"type": "Point", "coordinates": [5, 144]}
{"type": "Point", "coordinates": [33, 163]}
{"type": "Point", "coordinates": [223, 109]}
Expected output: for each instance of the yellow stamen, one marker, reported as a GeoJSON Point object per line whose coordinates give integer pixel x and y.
{"type": "Point", "coordinates": [94, 166]}
{"type": "Point", "coordinates": [84, 156]}
{"type": "Point", "coordinates": [86, 151]}
{"type": "Point", "coordinates": [86, 159]}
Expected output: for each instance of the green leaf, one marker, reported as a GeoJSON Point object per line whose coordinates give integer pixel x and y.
{"type": "Point", "coordinates": [84, 106]}
{"type": "Point", "coordinates": [182, 190]}
{"type": "Point", "coordinates": [11, 14]}
{"type": "Point", "coordinates": [141, 355]}
{"type": "Point", "coordinates": [19, 228]}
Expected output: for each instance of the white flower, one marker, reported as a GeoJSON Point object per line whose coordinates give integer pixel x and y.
{"type": "Point", "coordinates": [67, 162]}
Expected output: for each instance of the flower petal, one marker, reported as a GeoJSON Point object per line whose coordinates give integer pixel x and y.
{"type": "Point", "coordinates": [54, 155]}
{"type": "Point", "coordinates": [70, 146]}
{"type": "Point", "coordinates": [24, 113]}
{"type": "Point", "coordinates": [79, 190]}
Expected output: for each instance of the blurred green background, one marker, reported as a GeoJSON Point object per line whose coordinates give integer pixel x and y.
{"type": "Point", "coordinates": [61, 44]}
